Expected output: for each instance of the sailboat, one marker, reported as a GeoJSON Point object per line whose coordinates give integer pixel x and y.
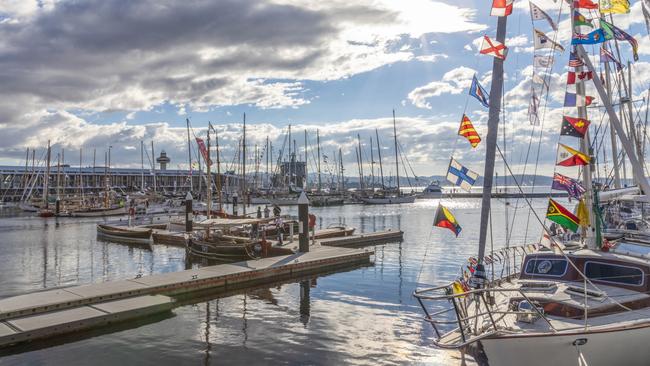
{"type": "Point", "coordinates": [384, 197]}
{"type": "Point", "coordinates": [571, 302]}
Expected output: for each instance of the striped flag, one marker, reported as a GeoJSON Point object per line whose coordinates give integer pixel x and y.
{"type": "Point", "coordinates": [468, 131]}
{"type": "Point", "coordinates": [575, 61]}
{"type": "Point", "coordinates": [501, 8]}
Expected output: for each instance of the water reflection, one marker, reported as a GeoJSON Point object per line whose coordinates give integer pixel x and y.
{"type": "Point", "coordinates": [356, 317]}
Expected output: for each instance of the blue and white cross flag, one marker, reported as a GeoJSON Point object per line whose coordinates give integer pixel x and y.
{"type": "Point", "coordinates": [460, 176]}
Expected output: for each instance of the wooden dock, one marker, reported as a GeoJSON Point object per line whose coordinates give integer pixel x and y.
{"type": "Point", "coordinates": [51, 312]}
{"type": "Point", "coordinates": [361, 240]}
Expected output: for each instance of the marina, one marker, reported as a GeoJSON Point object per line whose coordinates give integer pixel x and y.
{"type": "Point", "coordinates": [297, 183]}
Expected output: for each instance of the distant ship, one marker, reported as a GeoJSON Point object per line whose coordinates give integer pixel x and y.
{"type": "Point", "coordinates": [433, 190]}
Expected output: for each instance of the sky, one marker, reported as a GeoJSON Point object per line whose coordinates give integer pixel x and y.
{"type": "Point", "coordinates": [98, 73]}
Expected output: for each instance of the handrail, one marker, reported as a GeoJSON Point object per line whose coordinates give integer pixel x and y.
{"type": "Point", "coordinates": [471, 328]}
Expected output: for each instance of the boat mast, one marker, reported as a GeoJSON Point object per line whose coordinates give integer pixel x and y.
{"type": "Point", "coordinates": [58, 176]}
{"type": "Point", "coordinates": [142, 165]}
{"type": "Point", "coordinates": [189, 153]}
{"type": "Point", "coordinates": [637, 140]}
{"type": "Point", "coordinates": [342, 186]}
{"type": "Point", "coordinates": [396, 153]}
{"type": "Point", "coordinates": [585, 148]}
{"type": "Point", "coordinates": [46, 180]}
{"type": "Point", "coordinates": [627, 145]}
{"type": "Point", "coordinates": [381, 166]}
{"type": "Point", "coordinates": [243, 171]}
{"type": "Point", "coordinates": [612, 134]}
{"type": "Point", "coordinates": [209, 169]}
{"type": "Point", "coordinates": [290, 159]}
{"type": "Point", "coordinates": [320, 186]}
{"type": "Point", "coordinates": [268, 151]}
{"type": "Point", "coordinates": [361, 182]}
{"type": "Point", "coordinates": [306, 175]}
{"type": "Point", "coordinates": [153, 167]}
{"type": "Point", "coordinates": [81, 181]}
{"type": "Point", "coordinates": [216, 142]}
{"type": "Point", "coordinates": [372, 166]}
{"type": "Point", "coordinates": [496, 90]}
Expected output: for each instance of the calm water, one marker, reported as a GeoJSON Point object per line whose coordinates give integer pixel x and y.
{"type": "Point", "coordinates": [364, 316]}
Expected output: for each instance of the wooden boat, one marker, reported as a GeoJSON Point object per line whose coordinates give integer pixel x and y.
{"type": "Point", "coordinates": [124, 232]}
{"type": "Point", "coordinates": [178, 239]}
{"type": "Point", "coordinates": [334, 232]}
{"type": "Point", "coordinates": [98, 212]}
{"type": "Point", "coordinates": [323, 201]}
{"type": "Point", "coordinates": [228, 248]}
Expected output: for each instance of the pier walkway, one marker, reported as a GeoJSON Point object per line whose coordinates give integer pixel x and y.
{"type": "Point", "coordinates": [63, 310]}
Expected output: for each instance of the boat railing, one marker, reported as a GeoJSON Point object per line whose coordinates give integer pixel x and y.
{"type": "Point", "coordinates": [475, 313]}
{"type": "Point", "coordinates": [501, 266]}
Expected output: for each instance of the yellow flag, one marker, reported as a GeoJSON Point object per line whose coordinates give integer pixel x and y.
{"type": "Point", "coordinates": [583, 213]}
{"type": "Point", "coordinates": [457, 288]}
{"type": "Point", "coordinates": [614, 6]}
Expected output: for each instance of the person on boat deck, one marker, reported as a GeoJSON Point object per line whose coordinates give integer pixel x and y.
{"type": "Point", "coordinates": [259, 212]}
{"type": "Point", "coordinates": [553, 229]}
{"type": "Point", "coordinates": [279, 227]}
{"type": "Point", "coordinates": [266, 212]}
{"type": "Point", "coordinates": [276, 210]}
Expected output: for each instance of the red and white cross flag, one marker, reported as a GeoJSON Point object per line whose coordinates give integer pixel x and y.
{"type": "Point", "coordinates": [493, 48]}
{"type": "Point", "coordinates": [501, 8]}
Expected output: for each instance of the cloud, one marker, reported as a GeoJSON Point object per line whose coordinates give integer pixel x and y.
{"type": "Point", "coordinates": [113, 55]}
{"type": "Point", "coordinates": [452, 82]}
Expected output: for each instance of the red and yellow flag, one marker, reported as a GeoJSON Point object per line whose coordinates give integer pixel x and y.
{"type": "Point", "coordinates": [570, 157]}
{"type": "Point", "coordinates": [468, 131]}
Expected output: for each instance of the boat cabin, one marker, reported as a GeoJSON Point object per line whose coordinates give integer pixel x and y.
{"type": "Point", "coordinates": [552, 281]}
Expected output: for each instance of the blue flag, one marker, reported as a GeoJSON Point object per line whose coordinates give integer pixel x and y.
{"type": "Point", "coordinates": [477, 91]}
{"type": "Point", "coordinates": [595, 37]}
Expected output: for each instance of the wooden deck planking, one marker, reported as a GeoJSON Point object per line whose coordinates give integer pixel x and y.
{"type": "Point", "coordinates": [173, 283]}
{"type": "Point", "coordinates": [53, 323]}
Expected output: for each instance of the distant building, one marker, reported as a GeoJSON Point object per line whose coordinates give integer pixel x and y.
{"type": "Point", "coordinates": [292, 173]}
{"type": "Point", "coordinates": [17, 182]}
{"type": "Point", "coordinates": [163, 160]}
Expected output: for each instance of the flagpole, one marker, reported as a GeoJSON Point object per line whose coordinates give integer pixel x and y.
{"type": "Point", "coordinates": [585, 147]}
{"type": "Point", "coordinates": [496, 90]}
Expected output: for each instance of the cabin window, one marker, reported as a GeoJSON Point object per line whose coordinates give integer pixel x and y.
{"type": "Point", "coordinates": [614, 273]}
{"type": "Point", "coordinates": [546, 267]}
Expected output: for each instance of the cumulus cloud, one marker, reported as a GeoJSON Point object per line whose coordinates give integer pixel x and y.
{"type": "Point", "coordinates": [452, 82]}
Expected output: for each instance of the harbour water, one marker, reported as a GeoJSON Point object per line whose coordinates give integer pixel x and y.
{"type": "Point", "coordinates": [364, 316]}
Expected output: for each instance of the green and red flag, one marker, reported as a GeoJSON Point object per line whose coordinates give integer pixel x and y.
{"type": "Point", "coordinates": [445, 219]}
{"type": "Point", "coordinates": [576, 127]}
{"type": "Point", "coordinates": [561, 216]}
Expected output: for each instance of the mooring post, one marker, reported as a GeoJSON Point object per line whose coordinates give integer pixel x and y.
{"type": "Point", "coordinates": [303, 223]}
{"type": "Point", "coordinates": [235, 202]}
{"type": "Point", "coordinates": [188, 212]}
